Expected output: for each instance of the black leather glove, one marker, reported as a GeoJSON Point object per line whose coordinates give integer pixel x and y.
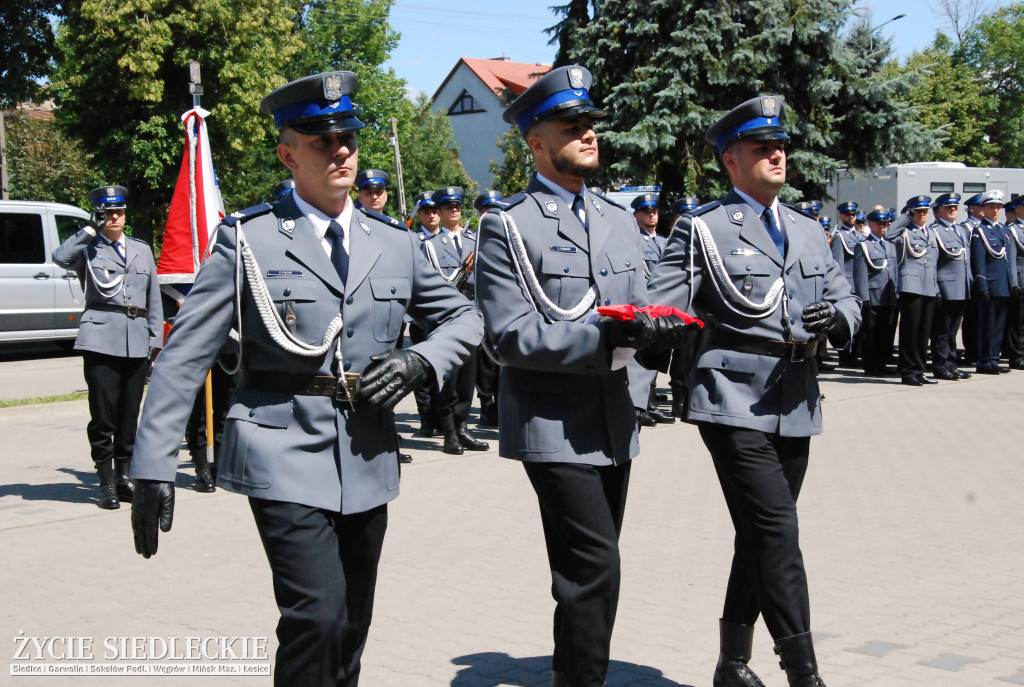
{"type": "Point", "coordinates": [1017, 291]}
{"type": "Point", "coordinates": [664, 332]}
{"type": "Point", "coordinates": [821, 317]}
{"type": "Point", "coordinates": [391, 376]}
{"type": "Point", "coordinates": [152, 503]}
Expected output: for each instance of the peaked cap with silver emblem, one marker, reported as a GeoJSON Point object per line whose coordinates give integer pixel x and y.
{"type": "Point", "coordinates": [562, 92]}
{"type": "Point", "coordinates": [449, 194]}
{"type": "Point", "coordinates": [994, 197]}
{"type": "Point", "coordinates": [315, 105]}
{"type": "Point", "coordinates": [108, 197]}
{"type": "Point", "coordinates": [758, 119]}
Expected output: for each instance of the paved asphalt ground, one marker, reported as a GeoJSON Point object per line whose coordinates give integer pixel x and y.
{"type": "Point", "coordinates": [911, 530]}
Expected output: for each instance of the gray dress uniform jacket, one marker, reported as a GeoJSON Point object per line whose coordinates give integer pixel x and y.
{"type": "Point", "coordinates": [560, 399]}
{"type": "Point", "coordinates": [110, 332]}
{"type": "Point", "coordinates": [652, 247]}
{"type": "Point", "coordinates": [1016, 232]}
{"type": "Point", "coordinates": [747, 390]}
{"type": "Point", "coordinates": [875, 271]}
{"type": "Point", "coordinates": [954, 267]}
{"type": "Point", "coordinates": [917, 275]}
{"type": "Point", "coordinates": [844, 249]}
{"type": "Point", "coordinates": [303, 449]}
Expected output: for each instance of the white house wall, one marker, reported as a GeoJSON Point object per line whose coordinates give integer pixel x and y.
{"type": "Point", "coordinates": [477, 134]}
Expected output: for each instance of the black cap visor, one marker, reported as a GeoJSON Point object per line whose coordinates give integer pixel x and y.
{"type": "Point", "coordinates": [326, 124]}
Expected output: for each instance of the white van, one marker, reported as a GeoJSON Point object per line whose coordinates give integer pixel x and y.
{"type": "Point", "coordinates": [39, 301]}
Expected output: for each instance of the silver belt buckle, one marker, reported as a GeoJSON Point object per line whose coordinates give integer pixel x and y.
{"type": "Point", "coordinates": [347, 387]}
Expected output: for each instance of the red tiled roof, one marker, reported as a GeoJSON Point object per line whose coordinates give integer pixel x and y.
{"type": "Point", "coordinates": [500, 74]}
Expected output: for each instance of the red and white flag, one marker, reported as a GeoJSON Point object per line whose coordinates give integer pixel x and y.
{"type": "Point", "coordinates": [196, 207]}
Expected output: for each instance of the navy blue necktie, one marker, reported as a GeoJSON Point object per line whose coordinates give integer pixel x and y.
{"type": "Point", "coordinates": [120, 251]}
{"type": "Point", "coordinates": [339, 256]}
{"type": "Point", "coordinates": [577, 209]}
{"type": "Point", "coordinates": [768, 217]}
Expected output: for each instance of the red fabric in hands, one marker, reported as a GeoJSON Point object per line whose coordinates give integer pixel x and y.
{"type": "Point", "coordinates": [628, 312]}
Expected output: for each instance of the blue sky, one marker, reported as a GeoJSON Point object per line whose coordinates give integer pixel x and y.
{"type": "Point", "coordinates": [436, 34]}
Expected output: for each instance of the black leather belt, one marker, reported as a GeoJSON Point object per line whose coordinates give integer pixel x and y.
{"type": "Point", "coordinates": [339, 388]}
{"type": "Point", "coordinates": [796, 351]}
{"type": "Point", "coordinates": [132, 311]}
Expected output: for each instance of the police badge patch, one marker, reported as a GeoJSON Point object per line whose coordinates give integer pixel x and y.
{"type": "Point", "coordinates": [576, 77]}
{"type": "Point", "coordinates": [552, 207]}
{"type": "Point", "coordinates": [332, 87]}
{"type": "Point", "coordinates": [737, 215]}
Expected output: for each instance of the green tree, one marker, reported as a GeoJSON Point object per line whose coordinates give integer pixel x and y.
{"type": "Point", "coordinates": [949, 96]}
{"type": "Point", "coordinates": [430, 156]}
{"type": "Point", "coordinates": [513, 174]}
{"type": "Point", "coordinates": [994, 51]}
{"type": "Point", "coordinates": [43, 164]}
{"type": "Point", "coordinates": [666, 69]}
{"type": "Point", "coordinates": [122, 87]}
{"type": "Point", "coordinates": [26, 48]}
{"type": "Point", "coordinates": [575, 14]}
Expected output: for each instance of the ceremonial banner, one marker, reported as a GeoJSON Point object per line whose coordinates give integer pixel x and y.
{"type": "Point", "coordinates": [196, 207]}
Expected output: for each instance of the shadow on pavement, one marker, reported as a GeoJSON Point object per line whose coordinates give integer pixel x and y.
{"type": "Point", "coordinates": [83, 491]}
{"type": "Point", "coordinates": [492, 668]}
{"type": "Point", "coordinates": [37, 350]}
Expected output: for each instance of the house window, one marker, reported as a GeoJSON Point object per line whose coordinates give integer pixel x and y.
{"type": "Point", "coordinates": [464, 104]}
{"type": "Point", "coordinates": [942, 187]}
{"type": "Point", "coordinates": [974, 187]}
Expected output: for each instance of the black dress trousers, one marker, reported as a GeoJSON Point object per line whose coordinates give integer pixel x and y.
{"type": "Point", "coordinates": [761, 475]}
{"type": "Point", "coordinates": [945, 325]}
{"type": "Point", "coordinates": [324, 567]}
{"type": "Point", "coordinates": [581, 508]}
{"type": "Point", "coordinates": [1013, 338]}
{"type": "Point", "coordinates": [916, 312]}
{"type": "Point", "coordinates": [116, 385]}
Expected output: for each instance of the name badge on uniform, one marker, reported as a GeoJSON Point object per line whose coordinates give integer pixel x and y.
{"type": "Point", "coordinates": [284, 273]}
{"type": "Point", "coordinates": [563, 249]}
{"type": "Point", "coordinates": [746, 251]}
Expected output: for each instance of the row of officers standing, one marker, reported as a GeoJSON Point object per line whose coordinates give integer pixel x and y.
{"type": "Point", "coordinates": [933, 281]}
{"type": "Point", "coordinates": [316, 291]}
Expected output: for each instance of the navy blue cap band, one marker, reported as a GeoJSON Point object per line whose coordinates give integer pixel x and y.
{"type": "Point", "coordinates": [313, 108]}
{"type": "Point", "coordinates": [756, 123]}
{"type": "Point", "coordinates": [104, 200]}
{"type": "Point", "coordinates": [527, 116]}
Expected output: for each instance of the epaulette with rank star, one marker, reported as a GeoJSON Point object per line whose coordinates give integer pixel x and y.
{"type": "Point", "coordinates": [248, 213]}
{"type": "Point", "coordinates": [390, 221]}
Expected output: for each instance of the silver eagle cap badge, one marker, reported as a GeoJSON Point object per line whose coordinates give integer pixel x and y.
{"type": "Point", "coordinates": [576, 77]}
{"type": "Point", "coordinates": [332, 87]}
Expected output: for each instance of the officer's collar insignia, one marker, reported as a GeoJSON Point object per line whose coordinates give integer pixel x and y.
{"type": "Point", "coordinates": [363, 225]}
{"type": "Point", "coordinates": [332, 87]}
{"type": "Point", "coordinates": [288, 225]}
{"type": "Point", "coordinates": [576, 77]}
{"type": "Point", "coordinates": [552, 207]}
{"type": "Point", "coordinates": [768, 106]}
{"type": "Point", "coordinates": [110, 191]}
{"type": "Point", "coordinates": [737, 215]}
{"type": "Point", "coordinates": [597, 206]}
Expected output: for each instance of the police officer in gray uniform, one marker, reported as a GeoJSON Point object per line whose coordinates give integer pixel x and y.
{"type": "Point", "coordinates": [566, 408]}
{"type": "Point", "coordinates": [954, 279]}
{"type": "Point", "coordinates": [970, 323]}
{"type": "Point", "coordinates": [1013, 338]}
{"type": "Point", "coordinates": [121, 326]}
{"type": "Point", "coordinates": [844, 242]}
{"type": "Point", "coordinates": [764, 282]}
{"type": "Point", "coordinates": [875, 274]}
{"type": "Point", "coordinates": [487, 371]}
{"type": "Point", "coordinates": [318, 290]}
{"type": "Point", "coordinates": [452, 250]}
{"type": "Point", "coordinates": [918, 286]}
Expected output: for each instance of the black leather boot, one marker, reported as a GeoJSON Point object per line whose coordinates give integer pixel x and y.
{"type": "Point", "coordinates": [796, 657]}
{"type": "Point", "coordinates": [124, 486]}
{"type": "Point", "coordinates": [659, 416]}
{"type": "Point", "coordinates": [736, 642]}
{"type": "Point", "coordinates": [488, 411]}
{"type": "Point", "coordinates": [468, 441]}
{"type": "Point", "coordinates": [204, 479]}
{"type": "Point", "coordinates": [108, 485]}
{"type": "Point", "coordinates": [451, 443]}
